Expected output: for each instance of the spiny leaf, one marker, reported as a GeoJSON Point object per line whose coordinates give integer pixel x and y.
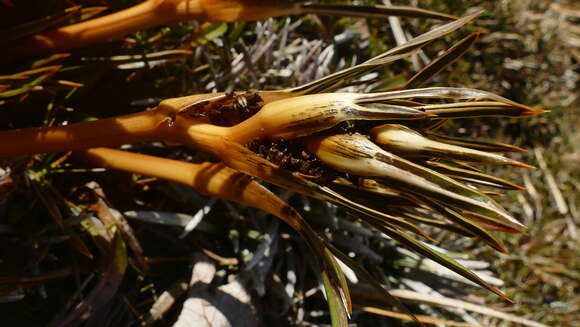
{"type": "Point", "coordinates": [338, 314]}
{"type": "Point", "coordinates": [378, 203]}
{"type": "Point", "coordinates": [373, 11]}
{"type": "Point", "coordinates": [370, 195]}
{"type": "Point", "coordinates": [240, 158]}
{"type": "Point", "coordinates": [483, 145]}
{"type": "Point", "coordinates": [442, 259]}
{"type": "Point", "coordinates": [480, 109]}
{"type": "Point", "coordinates": [364, 274]}
{"type": "Point", "coordinates": [439, 223]}
{"type": "Point", "coordinates": [452, 170]}
{"type": "Point", "coordinates": [343, 78]}
{"type": "Point", "coordinates": [441, 62]}
{"type": "Point", "coordinates": [404, 140]}
{"type": "Point", "coordinates": [501, 106]}
{"type": "Point", "coordinates": [468, 224]}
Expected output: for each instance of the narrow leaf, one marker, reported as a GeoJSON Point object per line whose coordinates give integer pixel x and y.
{"type": "Point", "coordinates": [373, 11]}
{"type": "Point", "coordinates": [470, 225]}
{"type": "Point", "coordinates": [403, 140]}
{"type": "Point", "coordinates": [468, 175]}
{"type": "Point", "coordinates": [242, 159]}
{"type": "Point", "coordinates": [36, 26]}
{"type": "Point", "coordinates": [439, 223]}
{"type": "Point", "coordinates": [501, 106]}
{"type": "Point", "coordinates": [369, 278]}
{"type": "Point", "coordinates": [342, 78]}
{"type": "Point", "coordinates": [338, 313]}
{"type": "Point", "coordinates": [442, 62]}
{"type": "Point", "coordinates": [480, 109]}
{"type": "Point", "coordinates": [483, 145]}
{"type": "Point", "coordinates": [442, 259]}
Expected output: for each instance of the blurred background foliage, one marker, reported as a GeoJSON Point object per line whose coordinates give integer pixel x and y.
{"type": "Point", "coordinates": [529, 52]}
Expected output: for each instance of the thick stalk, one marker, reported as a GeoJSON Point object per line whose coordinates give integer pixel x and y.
{"type": "Point", "coordinates": [141, 16]}
{"type": "Point", "coordinates": [213, 179]}
{"type": "Point", "coordinates": [160, 124]}
{"type": "Point", "coordinates": [132, 128]}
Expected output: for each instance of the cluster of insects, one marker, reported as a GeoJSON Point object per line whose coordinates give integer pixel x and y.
{"type": "Point", "coordinates": [227, 110]}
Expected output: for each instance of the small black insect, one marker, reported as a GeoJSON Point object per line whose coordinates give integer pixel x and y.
{"type": "Point", "coordinates": [291, 156]}
{"type": "Point", "coordinates": [227, 110]}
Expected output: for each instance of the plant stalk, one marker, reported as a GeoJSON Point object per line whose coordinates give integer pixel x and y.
{"type": "Point", "coordinates": [148, 14]}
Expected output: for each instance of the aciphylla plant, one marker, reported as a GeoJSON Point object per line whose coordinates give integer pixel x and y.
{"type": "Point", "coordinates": [377, 155]}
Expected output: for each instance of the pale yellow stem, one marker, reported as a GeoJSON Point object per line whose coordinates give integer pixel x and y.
{"type": "Point", "coordinates": [213, 179]}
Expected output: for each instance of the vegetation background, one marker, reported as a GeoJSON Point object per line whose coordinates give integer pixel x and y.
{"type": "Point", "coordinates": [529, 52]}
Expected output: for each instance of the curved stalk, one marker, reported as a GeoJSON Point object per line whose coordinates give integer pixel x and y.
{"type": "Point", "coordinates": [144, 15]}
{"type": "Point", "coordinates": [213, 179]}
{"type": "Point", "coordinates": [148, 14]}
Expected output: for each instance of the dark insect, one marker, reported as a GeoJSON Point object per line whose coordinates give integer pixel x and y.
{"type": "Point", "coordinates": [227, 111]}
{"type": "Point", "coordinates": [291, 156]}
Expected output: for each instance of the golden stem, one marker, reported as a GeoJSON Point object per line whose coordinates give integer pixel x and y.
{"type": "Point", "coordinates": [148, 14]}
{"type": "Point", "coordinates": [214, 179]}
{"type": "Point", "coordinates": [160, 124]}
{"type": "Point", "coordinates": [132, 128]}
{"type": "Point", "coordinates": [141, 16]}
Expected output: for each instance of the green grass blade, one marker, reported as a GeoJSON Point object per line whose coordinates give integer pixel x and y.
{"type": "Point", "coordinates": [365, 275]}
